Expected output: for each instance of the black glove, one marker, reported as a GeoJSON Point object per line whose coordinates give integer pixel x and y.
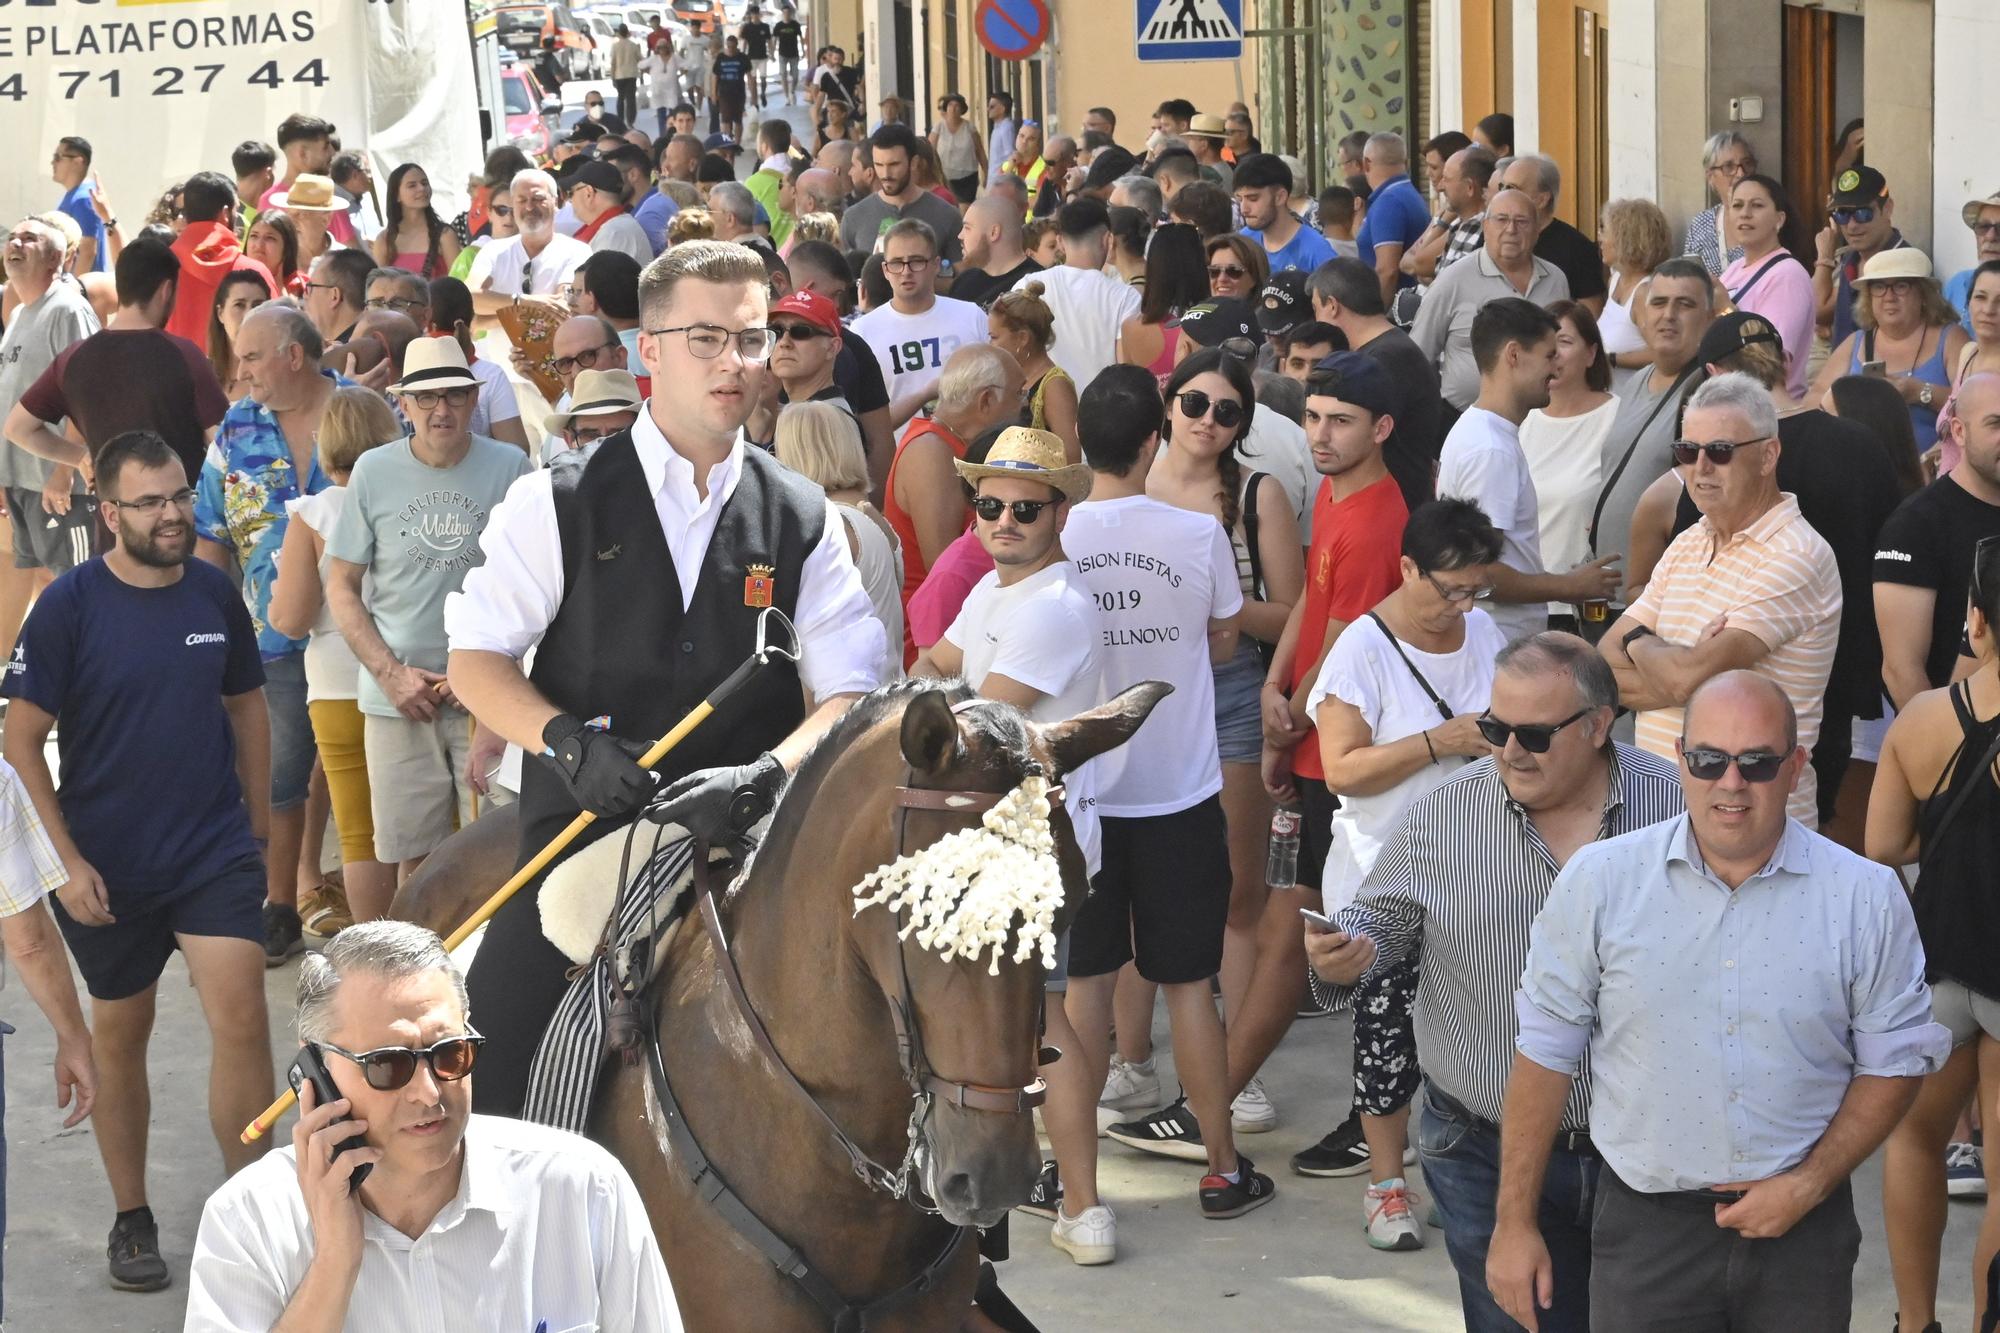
{"type": "Point", "coordinates": [601, 771]}
{"type": "Point", "coordinates": [718, 805]}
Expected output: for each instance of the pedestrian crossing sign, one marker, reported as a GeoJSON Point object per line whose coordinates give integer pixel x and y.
{"type": "Point", "coordinates": [1190, 29]}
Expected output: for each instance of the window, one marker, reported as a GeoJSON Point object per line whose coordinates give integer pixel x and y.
{"type": "Point", "coordinates": [951, 83]}
{"type": "Point", "coordinates": [1036, 111]}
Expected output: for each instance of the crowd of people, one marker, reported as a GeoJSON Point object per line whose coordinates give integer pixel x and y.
{"type": "Point", "coordinates": [1572, 642]}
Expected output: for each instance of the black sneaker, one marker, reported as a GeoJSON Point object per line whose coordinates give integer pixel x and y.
{"type": "Point", "coordinates": [1222, 1197]}
{"type": "Point", "coordinates": [1046, 1197]}
{"type": "Point", "coordinates": [1170, 1131]}
{"type": "Point", "coordinates": [282, 934]}
{"type": "Point", "coordinates": [1341, 1153]}
{"type": "Point", "coordinates": [134, 1252]}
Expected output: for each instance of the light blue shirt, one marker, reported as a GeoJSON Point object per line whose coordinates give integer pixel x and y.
{"type": "Point", "coordinates": [1723, 1027]}
{"type": "Point", "coordinates": [1959, 292]}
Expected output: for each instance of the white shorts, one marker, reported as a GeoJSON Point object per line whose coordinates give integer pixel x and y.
{"type": "Point", "coordinates": [1964, 1010]}
{"type": "Point", "coordinates": [416, 781]}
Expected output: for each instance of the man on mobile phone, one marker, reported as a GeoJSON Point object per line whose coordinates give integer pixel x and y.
{"type": "Point", "coordinates": [521, 1226]}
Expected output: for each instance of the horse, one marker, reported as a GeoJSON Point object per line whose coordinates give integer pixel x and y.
{"type": "Point", "coordinates": [878, 1051]}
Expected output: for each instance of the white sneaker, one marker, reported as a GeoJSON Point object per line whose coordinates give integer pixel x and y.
{"type": "Point", "coordinates": [1090, 1239]}
{"type": "Point", "coordinates": [1107, 1116]}
{"type": "Point", "coordinates": [1388, 1220]}
{"type": "Point", "coordinates": [1252, 1112]}
{"type": "Point", "coordinates": [1132, 1086]}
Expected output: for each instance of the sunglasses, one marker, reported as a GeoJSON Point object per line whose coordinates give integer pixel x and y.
{"type": "Point", "coordinates": [1025, 511]}
{"type": "Point", "coordinates": [798, 333]}
{"type": "Point", "coordinates": [388, 1068]}
{"type": "Point", "coordinates": [1535, 737]}
{"type": "Point", "coordinates": [500, 211]}
{"type": "Point", "coordinates": [1719, 453]}
{"type": "Point", "coordinates": [1979, 550]}
{"type": "Point", "coordinates": [1755, 765]}
{"type": "Point", "coordinates": [1229, 271]}
{"type": "Point", "coordinates": [1195, 405]}
{"type": "Point", "coordinates": [1843, 216]}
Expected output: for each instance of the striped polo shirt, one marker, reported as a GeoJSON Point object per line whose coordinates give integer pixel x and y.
{"type": "Point", "coordinates": [1776, 579]}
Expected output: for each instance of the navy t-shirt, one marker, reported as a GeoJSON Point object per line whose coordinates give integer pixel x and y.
{"type": "Point", "coordinates": [732, 73]}
{"type": "Point", "coordinates": [135, 678]}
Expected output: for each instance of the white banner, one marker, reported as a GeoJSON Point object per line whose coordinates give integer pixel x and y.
{"type": "Point", "coordinates": [165, 88]}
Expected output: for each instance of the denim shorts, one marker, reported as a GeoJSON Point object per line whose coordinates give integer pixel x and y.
{"type": "Point", "coordinates": [292, 747]}
{"type": "Point", "coordinates": [1239, 708]}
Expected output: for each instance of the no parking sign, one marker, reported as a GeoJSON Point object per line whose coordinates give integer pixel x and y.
{"type": "Point", "coordinates": [1011, 29]}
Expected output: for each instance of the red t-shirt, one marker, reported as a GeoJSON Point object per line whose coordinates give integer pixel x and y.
{"type": "Point", "coordinates": [1355, 560]}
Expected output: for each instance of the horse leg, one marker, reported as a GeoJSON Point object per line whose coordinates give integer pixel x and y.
{"type": "Point", "coordinates": [991, 1311]}
{"type": "Point", "coordinates": [463, 872]}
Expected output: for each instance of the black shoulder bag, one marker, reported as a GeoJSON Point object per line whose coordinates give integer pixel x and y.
{"type": "Point", "coordinates": [1265, 651]}
{"type": "Point", "coordinates": [1594, 630]}
{"type": "Point", "coordinates": [1444, 709]}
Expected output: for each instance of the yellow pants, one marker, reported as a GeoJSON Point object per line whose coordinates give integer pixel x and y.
{"type": "Point", "coordinates": [336, 725]}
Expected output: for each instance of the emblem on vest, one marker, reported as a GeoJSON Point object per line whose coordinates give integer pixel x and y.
{"type": "Point", "coordinates": [610, 552]}
{"type": "Point", "coordinates": [759, 582]}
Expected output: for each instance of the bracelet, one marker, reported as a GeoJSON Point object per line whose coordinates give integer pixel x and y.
{"type": "Point", "coordinates": [1428, 746]}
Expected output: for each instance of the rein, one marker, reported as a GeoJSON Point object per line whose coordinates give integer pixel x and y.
{"type": "Point", "coordinates": [925, 1084]}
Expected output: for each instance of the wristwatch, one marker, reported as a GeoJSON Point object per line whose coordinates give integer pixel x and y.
{"type": "Point", "coordinates": [1636, 632]}
{"type": "Point", "coordinates": [1925, 395]}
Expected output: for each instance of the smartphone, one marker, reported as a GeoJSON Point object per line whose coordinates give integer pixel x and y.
{"type": "Point", "coordinates": [310, 1067]}
{"type": "Point", "coordinates": [1874, 367]}
{"type": "Point", "coordinates": [1319, 919]}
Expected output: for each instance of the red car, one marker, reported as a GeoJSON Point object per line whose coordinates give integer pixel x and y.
{"type": "Point", "coordinates": [523, 94]}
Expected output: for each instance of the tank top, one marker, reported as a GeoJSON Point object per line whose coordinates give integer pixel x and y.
{"type": "Point", "coordinates": [1163, 364]}
{"type": "Point", "coordinates": [1958, 915]}
{"type": "Point", "coordinates": [958, 153]}
{"type": "Point", "coordinates": [1923, 419]}
{"type": "Point", "coordinates": [1036, 413]}
{"type": "Point", "coordinates": [914, 567]}
{"type": "Point", "coordinates": [414, 261]}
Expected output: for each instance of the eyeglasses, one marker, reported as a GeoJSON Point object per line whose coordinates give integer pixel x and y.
{"type": "Point", "coordinates": [707, 340]}
{"type": "Point", "coordinates": [152, 504]}
{"type": "Point", "coordinates": [1979, 550]}
{"type": "Point", "coordinates": [387, 1068]}
{"type": "Point", "coordinates": [1719, 453]}
{"type": "Point", "coordinates": [1894, 286]}
{"type": "Point", "coordinates": [1843, 216]}
{"type": "Point", "coordinates": [1755, 765]}
{"type": "Point", "coordinates": [1025, 511]}
{"type": "Point", "coordinates": [1986, 228]}
{"type": "Point", "coordinates": [1479, 594]}
{"type": "Point", "coordinates": [798, 333]}
{"type": "Point", "coordinates": [584, 360]}
{"type": "Point", "coordinates": [913, 265]}
{"type": "Point", "coordinates": [322, 286]}
{"type": "Point", "coordinates": [1535, 737]}
{"type": "Point", "coordinates": [1508, 222]}
{"type": "Point", "coordinates": [1734, 168]}
{"type": "Point", "coordinates": [581, 434]}
{"type": "Point", "coordinates": [398, 303]}
{"type": "Point", "coordinates": [427, 399]}
{"type": "Point", "coordinates": [1195, 405]}
{"type": "Point", "coordinates": [1229, 271]}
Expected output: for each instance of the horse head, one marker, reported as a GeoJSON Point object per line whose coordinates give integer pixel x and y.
{"type": "Point", "coordinates": [968, 1026]}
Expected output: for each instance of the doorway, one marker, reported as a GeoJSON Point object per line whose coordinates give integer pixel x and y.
{"type": "Point", "coordinates": [1822, 61]}
{"type": "Point", "coordinates": [1574, 66]}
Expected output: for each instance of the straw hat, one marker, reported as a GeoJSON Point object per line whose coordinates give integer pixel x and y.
{"type": "Point", "coordinates": [1970, 213]}
{"type": "Point", "coordinates": [309, 194]}
{"type": "Point", "coordinates": [1206, 126]}
{"type": "Point", "coordinates": [599, 393]}
{"type": "Point", "coordinates": [1903, 263]}
{"type": "Point", "coordinates": [434, 363]}
{"type": "Point", "coordinates": [1033, 455]}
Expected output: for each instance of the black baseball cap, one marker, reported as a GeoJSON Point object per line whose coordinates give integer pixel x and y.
{"type": "Point", "coordinates": [1858, 187]}
{"type": "Point", "coordinates": [1732, 333]}
{"type": "Point", "coordinates": [1283, 303]}
{"type": "Point", "coordinates": [1211, 323]}
{"type": "Point", "coordinates": [1360, 380]}
{"type": "Point", "coordinates": [597, 174]}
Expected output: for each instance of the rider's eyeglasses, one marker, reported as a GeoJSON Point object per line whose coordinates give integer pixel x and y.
{"type": "Point", "coordinates": [1195, 405]}
{"type": "Point", "coordinates": [1535, 737]}
{"type": "Point", "coordinates": [1719, 453]}
{"type": "Point", "coordinates": [388, 1068]}
{"type": "Point", "coordinates": [150, 505]}
{"type": "Point", "coordinates": [1755, 765]}
{"type": "Point", "coordinates": [1025, 511]}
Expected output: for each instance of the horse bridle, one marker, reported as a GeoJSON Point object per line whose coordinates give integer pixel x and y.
{"type": "Point", "coordinates": [926, 1085]}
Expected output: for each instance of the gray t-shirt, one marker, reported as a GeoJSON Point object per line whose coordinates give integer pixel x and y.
{"type": "Point", "coordinates": [34, 336]}
{"type": "Point", "coordinates": [867, 220]}
{"type": "Point", "coordinates": [1652, 457]}
{"type": "Point", "coordinates": [417, 529]}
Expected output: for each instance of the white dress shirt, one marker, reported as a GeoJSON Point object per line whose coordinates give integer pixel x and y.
{"type": "Point", "coordinates": [508, 602]}
{"type": "Point", "coordinates": [546, 1232]}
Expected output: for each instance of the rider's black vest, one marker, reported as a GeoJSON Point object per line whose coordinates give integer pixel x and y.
{"type": "Point", "coordinates": [622, 649]}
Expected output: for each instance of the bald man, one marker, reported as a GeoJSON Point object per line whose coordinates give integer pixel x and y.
{"type": "Point", "coordinates": [995, 261]}
{"type": "Point", "coordinates": [1751, 996]}
{"type": "Point", "coordinates": [818, 190]}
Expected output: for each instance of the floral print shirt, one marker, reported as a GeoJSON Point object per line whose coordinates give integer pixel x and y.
{"type": "Point", "coordinates": [240, 505]}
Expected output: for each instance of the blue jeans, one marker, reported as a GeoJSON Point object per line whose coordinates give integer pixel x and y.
{"type": "Point", "coordinates": [1461, 1158]}
{"type": "Point", "coordinates": [292, 746]}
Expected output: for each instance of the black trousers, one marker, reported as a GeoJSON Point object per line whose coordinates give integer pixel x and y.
{"type": "Point", "coordinates": [1660, 1264]}
{"type": "Point", "coordinates": [516, 982]}
{"type": "Point", "coordinates": [628, 100]}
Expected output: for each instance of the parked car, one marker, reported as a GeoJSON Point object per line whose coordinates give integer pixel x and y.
{"type": "Point", "coordinates": [523, 94]}
{"type": "Point", "coordinates": [522, 27]}
{"type": "Point", "coordinates": [601, 25]}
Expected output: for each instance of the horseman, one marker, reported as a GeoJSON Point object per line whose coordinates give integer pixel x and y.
{"type": "Point", "coordinates": [638, 580]}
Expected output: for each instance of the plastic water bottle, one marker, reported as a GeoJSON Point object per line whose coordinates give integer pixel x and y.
{"type": "Point", "coordinates": [1281, 864]}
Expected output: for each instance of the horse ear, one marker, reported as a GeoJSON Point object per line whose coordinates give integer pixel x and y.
{"type": "Point", "coordinates": [1104, 728]}
{"type": "Point", "coordinates": [930, 732]}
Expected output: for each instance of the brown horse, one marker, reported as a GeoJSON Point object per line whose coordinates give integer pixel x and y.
{"type": "Point", "coordinates": [823, 980]}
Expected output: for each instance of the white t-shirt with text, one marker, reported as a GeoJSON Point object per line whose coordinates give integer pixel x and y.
{"type": "Point", "coordinates": [1159, 575]}
{"type": "Point", "coordinates": [914, 348]}
{"type": "Point", "coordinates": [1046, 633]}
